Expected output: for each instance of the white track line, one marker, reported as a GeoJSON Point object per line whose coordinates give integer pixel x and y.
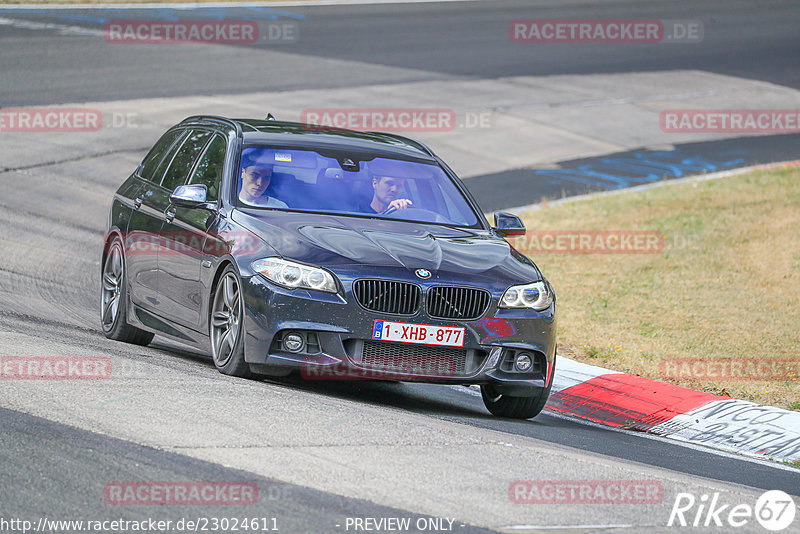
{"type": "Point", "coordinates": [562, 527]}
{"type": "Point", "coordinates": [302, 3]}
{"type": "Point", "coordinates": [61, 29]}
{"type": "Point", "coordinates": [664, 439]}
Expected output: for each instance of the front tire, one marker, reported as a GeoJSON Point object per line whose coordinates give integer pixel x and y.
{"type": "Point", "coordinates": [513, 407]}
{"type": "Point", "coordinates": [114, 300]}
{"type": "Point", "coordinates": [226, 326]}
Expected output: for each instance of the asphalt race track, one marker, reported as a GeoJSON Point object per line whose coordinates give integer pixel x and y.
{"type": "Point", "coordinates": [320, 453]}
{"type": "Point", "coordinates": [470, 40]}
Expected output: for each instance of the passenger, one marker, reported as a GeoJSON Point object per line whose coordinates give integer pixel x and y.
{"type": "Point", "coordinates": [255, 181]}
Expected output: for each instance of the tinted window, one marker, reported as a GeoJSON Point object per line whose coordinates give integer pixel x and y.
{"type": "Point", "coordinates": [309, 180]}
{"type": "Point", "coordinates": [150, 163]}
{"type": "Point", "coordinates": [158, 175]}
{"type": "Point", "coordinates": [209, 168]}
{"type": "Point", "coordinates": [184, 159]}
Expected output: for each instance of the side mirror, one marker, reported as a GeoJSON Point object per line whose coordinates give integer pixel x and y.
{"type": "Point", "coordinates": [506, 224]}
{"type": "Point", "coordinates": [189, 196]}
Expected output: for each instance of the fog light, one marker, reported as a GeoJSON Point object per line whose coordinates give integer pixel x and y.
{"type": "Point", "coordinates": [523, 362]}
{"type": "Point", "coordinates": [293, 342]}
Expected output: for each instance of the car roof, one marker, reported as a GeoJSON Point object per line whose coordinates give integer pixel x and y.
{"type": "Point", "coordinates": [300, 135]}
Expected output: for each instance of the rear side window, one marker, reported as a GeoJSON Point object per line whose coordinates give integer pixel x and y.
{"type": "Point", "coordinates": [184, 159]}
{"type": "Point", "coordinates": [150, 163]}
{"type": "Point", "coordinates": [209, 168]}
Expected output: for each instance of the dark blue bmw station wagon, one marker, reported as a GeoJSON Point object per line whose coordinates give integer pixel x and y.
{"type": "Point", "coordinates": [333, 253]}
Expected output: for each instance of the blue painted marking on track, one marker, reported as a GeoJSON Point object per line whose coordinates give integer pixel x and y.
{"type": "Point", "coordinates": [640, 168]}
{"type": "Point", "coordinates": [164, 13]}
{"type": "Point", "coordinates": [82, 18]}
{"type": "Point", "coordinates": [274, 14]}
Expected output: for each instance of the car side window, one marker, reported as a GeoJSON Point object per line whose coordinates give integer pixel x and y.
{"type": "Point", "coordinates": [209, 168]}
{"type": "Point", "coordinates": [158, 175]}
{"type": "Point", "coordinates": [182, 163]}
{"type": "Point", "coordinates": [156, 154]}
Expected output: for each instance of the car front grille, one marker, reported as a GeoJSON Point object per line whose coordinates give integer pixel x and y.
{"type": "Point", "coordinates": [410, 360]}
{"type": "Point", "coordinates": [387, 296]}
{"type": "Point", "coordinates": [450, 302]}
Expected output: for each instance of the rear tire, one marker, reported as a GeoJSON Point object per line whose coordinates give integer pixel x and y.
{"type": "Point", "coordinates": [226, 326]}
{"type": "Point", "coordinates": [513, 407]}
{"type": "Point", "coordinates": [114, 300]}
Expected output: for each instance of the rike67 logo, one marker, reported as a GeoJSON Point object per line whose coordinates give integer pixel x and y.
{"type": "Point", "coordinates": [774, 510]}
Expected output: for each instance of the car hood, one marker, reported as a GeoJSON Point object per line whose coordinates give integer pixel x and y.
{"type": "Point", "coordinates": [331, 241]}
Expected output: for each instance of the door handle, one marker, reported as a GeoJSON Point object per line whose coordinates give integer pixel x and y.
{"type": "Point", "coordinates": [137, 203]}
{"type": "Point", "coordinates": [169, 216]}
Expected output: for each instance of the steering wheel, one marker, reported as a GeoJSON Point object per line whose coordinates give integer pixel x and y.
{"type": "Point", "coordinates": [416, 214]}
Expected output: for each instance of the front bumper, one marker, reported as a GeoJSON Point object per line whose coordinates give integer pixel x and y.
{"type": "Point", "coordinates": [343, 349]}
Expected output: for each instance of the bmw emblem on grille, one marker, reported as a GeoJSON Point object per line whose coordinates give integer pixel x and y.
{"type": "Point", "coordinates": [423, 273]}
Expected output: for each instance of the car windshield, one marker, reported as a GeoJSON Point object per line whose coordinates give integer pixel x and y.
{"type": "Point", "coordinates": [377, 187]}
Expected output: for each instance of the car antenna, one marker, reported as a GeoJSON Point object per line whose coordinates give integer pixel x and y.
{"type": "Point", "coordinates": [270, 117]}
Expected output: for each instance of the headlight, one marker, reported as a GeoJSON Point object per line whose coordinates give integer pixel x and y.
{"type": "Point", "coordinates": [295, 275]}
{"type": "Point", "coordinates": [536, 295]}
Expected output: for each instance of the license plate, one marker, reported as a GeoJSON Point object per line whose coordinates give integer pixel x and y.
{"type": "Point", "coordinates": [422, 334]}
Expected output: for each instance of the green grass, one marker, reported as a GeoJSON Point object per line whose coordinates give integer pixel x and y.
{"type": "Point", "coordinates": [726, 285]}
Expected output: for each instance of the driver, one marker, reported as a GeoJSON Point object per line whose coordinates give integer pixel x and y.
{"type": "Point", "coordinates": [386, 195]}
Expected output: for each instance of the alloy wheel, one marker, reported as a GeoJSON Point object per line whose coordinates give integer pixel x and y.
{"type": "Point", "coordinates": [112, 286]}
{"type": "Point", "coordinates": [225, 319]}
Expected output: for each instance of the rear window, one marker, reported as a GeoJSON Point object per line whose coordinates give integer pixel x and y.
{"type": "Point", "coordinates": [352, 185]}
